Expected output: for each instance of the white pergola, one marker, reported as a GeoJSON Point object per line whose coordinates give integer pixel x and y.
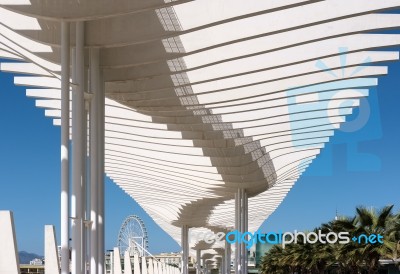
{"type": "Point", "coordinates": [205, 112]}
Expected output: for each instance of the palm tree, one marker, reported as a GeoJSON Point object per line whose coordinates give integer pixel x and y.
{"type": "Point", "coordinates": [393, 235]}
{"type": "Point", "coordinates": [348, 257]}
{"type": "Point", "coordinates": [371, 222]}
{"type": "Point", "coordinates": [353, 257]}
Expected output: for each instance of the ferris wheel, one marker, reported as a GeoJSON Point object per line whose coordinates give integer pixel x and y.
{"type": "Point", "coordinates": [133, 237]}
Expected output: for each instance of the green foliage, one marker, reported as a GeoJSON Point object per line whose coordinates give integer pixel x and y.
{"type": "Point", "coordinates": [338, 258]}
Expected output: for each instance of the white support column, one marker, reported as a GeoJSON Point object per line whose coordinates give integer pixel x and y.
{"type": "Point", "coordinates": [9, 260]}
{"type": "Point", "coordinates": [144, 266]}
{"type": "Point", "coordinates": [198, 261]}
{"type": "Point", "coordinates": [241, 216]}
{"type": "Point", "coordinates": [185, 249]}
{"type": "Point", "coordinates": [227, 258]}
{"type": "Point", "coordinates": [50, 250]}
{"type": "Point", "coordinates": [242, 230]}
{"type": "Point", "coordinates": [238, 228]}
{"type": "Point", "coordinates": [85, 187]}
{"type": "Point", "coordinates": [77, 152]}
{"type": "Point", "coordinates": [100, 177]}
{"type": "Point", "coordinates": [65, 110]}
{"type": "Point", "coordinates": [94, 159]}
{"type": "Point", "coordinates": [245, 229]}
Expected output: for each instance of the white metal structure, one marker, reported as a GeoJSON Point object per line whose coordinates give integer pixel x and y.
{"type": "Point", "coordinates": [205, 112]}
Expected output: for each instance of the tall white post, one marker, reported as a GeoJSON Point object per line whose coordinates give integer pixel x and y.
{"type": "Point", "coordinates": [94, 159]}
{"type": "Point", "coordinates": [77, 152]}
{"type": "Point", "coordinates": [65, 88]}
{"type": "Point", "coordinates": [245, 229]}
{"type": "Point", "coordinates": [85, 188]}
{"type": "Point", "coordinates": [198, 261]}
{"type": "Point", "coordinates": [238, 228]}
{"type": "Point", "coordinates": [185, 249]}
{"type": "Point", "coordinates": [243, 250]}
{"type": "Point", "coordinates": [227, 258]}
{"type": "Point", "coordinates": [241, 219]}
{"type": "Point", "coordinates": [100, 177]}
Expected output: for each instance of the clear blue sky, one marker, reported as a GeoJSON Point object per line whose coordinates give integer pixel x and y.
{"type": "Point", "coordinates": [340, 178]}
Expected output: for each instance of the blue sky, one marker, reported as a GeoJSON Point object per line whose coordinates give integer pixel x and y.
{"type": "Point", "coordinates": [357, 168]}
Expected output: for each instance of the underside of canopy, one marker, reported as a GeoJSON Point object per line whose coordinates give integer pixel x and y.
{"type": "Point", "coordinates": [205, 97]}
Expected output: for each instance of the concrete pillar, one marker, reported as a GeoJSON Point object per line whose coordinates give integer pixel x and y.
{"type": "Point", "coordinates": [100, 177]}
{"type": "Point", "coordinates": [198, 261]}
{"type": "Point", "coordinates": [227, 258]}
{"type": "Point", "coordinates": [78, 154]}
{"type": "Point", "coordinates": [50, 251]}
{"type": "Point", "coordinates": [245, 229]}
{"type": "Point", "coordinates": [144, 265]}
{"type": "Point", "coordinates": [242, 230]}
{"type": "Point", "coordinates": [238, 228]}
{"type": "Point", "coordinates": [241, 223]}
{"type": "Point", "coordinates": [185, 249]}
{"type": "Point", "coordinates": [136, 264]}
{"type": "Point", "coordinates": [65, 126]}
{"type": "Point", "coordinates": [85, 189]}
{"type": "Point", "coordinates": [117, 261]}
{"type": "Point", "coordinates": [9, 260]}
{"type": "Point", "coordinates": [94, 159]}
